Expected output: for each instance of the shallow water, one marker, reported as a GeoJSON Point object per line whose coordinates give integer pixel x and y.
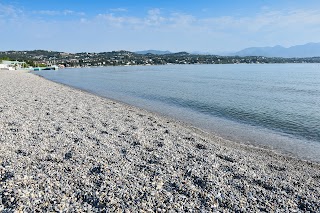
{"type": "Point", "coordinates": [276, 105]}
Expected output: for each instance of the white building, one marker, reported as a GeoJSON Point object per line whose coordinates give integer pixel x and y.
{"type": "Point", "coordinates": [11, 65]}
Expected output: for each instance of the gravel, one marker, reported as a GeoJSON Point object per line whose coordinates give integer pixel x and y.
{"type": "Point", "coordinates": [66, 150]}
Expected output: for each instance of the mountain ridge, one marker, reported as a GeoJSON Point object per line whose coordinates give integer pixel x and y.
{"type": "Point", "coordinates": [298, 51]}
{"type": "Point", "coordinates": [155, 52]}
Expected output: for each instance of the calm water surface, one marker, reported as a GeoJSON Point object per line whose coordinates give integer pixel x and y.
{"type": "Point", "coordinates": [274, 105]}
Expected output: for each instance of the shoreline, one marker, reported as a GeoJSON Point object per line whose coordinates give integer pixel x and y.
{"type": "Point", "coordinates": [91, 153]}
{"type": "Point", "coordinates": [258, 137]}
{"type": "Point", "coordinates": [196, 129]}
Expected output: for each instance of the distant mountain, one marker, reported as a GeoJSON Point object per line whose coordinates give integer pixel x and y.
{"type": "Point", "coordinates": [201, 53]}
{"type": "Point", "coordinates": [299, 51]}
{"type": "Point", "coordinates": [155, 52]}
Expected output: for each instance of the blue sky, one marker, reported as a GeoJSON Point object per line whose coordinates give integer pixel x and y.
{"type": "Point", "coordinates": [213, 26]}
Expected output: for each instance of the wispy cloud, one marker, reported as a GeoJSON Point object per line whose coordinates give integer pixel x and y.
{"type": "Point", "coordinates": [153, 18]}
{"type": "Point", "coordinates": [164, 29]}
{"type": "Point", "coordinates": [266, 21]}
{"type": "Point", "coordinates": [47, 12]}
{"type": "Point", "coordinates": [9, 11]}
{"type": "Point", "coordinates": [58, 12]}
{"type": "Point", "coordinates": [268, 27]}
{"type": "Point", "coordinates": [119, 9]}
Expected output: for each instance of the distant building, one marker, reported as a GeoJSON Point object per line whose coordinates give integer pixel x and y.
{"type": "Point", "coordinates": [5, 67]}
{"type": "Point", "coordinates": [11, 65]}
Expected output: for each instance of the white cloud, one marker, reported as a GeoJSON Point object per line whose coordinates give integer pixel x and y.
{"type": "Point", "coordinates": [119, 9]}
{"type": "Point", "coordinates": [58, 12]}
{"type": "Point", "coordinates": [153, 18]}
{"type": "Point", "coordinates": [183, 20]}
{"type": "Point", "coordinates": [8, 11]}
{"type": "Point", "coordinates": [154, 12]}
{"type": "Point", "coordinates": [266, 28]}
{"type": "Point", "coordinates": [118, 21]}
{"type": "Point", "coordinates": [158, 28]}
{"type": "Point", "coordinates": [47, 12]}
{"type": "Point", "coordinates": [266, 21]}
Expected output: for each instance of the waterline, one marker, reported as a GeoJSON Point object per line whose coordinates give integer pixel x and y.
{"type": "Point", "coordinates": [273, 105]}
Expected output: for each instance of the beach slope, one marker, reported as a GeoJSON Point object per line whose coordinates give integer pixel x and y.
{"type": "Point", "coordinates": [63, 149]}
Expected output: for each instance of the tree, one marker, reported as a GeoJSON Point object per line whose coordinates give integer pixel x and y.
{"type": "Point", "coordinates": [4, 58]}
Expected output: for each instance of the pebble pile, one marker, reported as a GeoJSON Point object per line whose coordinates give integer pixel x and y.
{"type": "Point", "coordinates": [66, 150]}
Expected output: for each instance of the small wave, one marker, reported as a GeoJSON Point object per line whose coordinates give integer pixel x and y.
{"type": "Point", "coordinates": [280, 123]}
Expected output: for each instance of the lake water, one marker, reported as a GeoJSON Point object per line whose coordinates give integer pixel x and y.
{"type": "Point", "coordinates": [273, 105]}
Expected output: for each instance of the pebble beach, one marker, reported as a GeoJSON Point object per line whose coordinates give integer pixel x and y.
{"type": "Point", "coordinates": [66, 150]}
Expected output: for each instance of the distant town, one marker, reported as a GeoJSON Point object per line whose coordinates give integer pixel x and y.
{"type": "Point", "coordinates": [41, 58]}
